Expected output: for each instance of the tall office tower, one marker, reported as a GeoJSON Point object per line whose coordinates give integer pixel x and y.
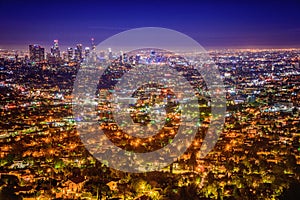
{"type": "Point", "coordinates": [50, 58]}
{"type": "Point", "coordinates": [93, 44]}
{"type": "Point", "coordinates": [93, 52]}
{"type": "Point", "coordinates": [87, 52]}
{"type": "Point", "coordinates": [55, 49]}
{"type": "Point", "coordinates": [78, 52]}
{"type": "Point", "coordinates": [65, 56]}
{"type": "Point", "coordinates": [36, 53]}
{"type": "Point", "coordinates": [70, 54]}
{"type": "Point", "coordinates": [125, 57]}
{"type": "Point", "coordinates": [137, 58]}
{"type": "Point", "coordinates": [110, 55]}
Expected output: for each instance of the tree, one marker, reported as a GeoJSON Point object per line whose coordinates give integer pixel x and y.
{"type": "Point", "coordinates": [292, 193]}
{"type": "Point", "coordinates": [193, 160]}
{"type": "Point", "coordinates": [189, 192]}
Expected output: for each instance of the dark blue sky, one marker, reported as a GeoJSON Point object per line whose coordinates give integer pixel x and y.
{"type": "Point", "coordinates": [213, 23]}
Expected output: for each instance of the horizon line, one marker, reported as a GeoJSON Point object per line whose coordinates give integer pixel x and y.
{"type": "Point", "coordinates": [208, 48]}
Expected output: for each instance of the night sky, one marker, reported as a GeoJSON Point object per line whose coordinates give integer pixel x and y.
{"type": "Point", "coordinates": [214, 24]}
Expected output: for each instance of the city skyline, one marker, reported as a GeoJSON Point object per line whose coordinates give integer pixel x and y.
{"type": "Point", "coordinates": [213, 24]}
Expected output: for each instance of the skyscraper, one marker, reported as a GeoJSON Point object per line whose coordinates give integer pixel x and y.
{"type": "Point", "coordinates": [55, 49]}
{"type": "Point", "coordinates": [36, 53]}
{"type": "Point", "coordinates": [70, 54]}
{"type": "Point", "coordinates": [93, 44]}
{"type": "Point", "coordinates": [78, 52]}
{"type": "Point", "coordinates": [93, 53]}
{"type": "Point", "coordinates": [110, 55]}
{"type": "Point", "coordinates": [86, 52]}
{"type": "Point", "coordinates": [65, 56]}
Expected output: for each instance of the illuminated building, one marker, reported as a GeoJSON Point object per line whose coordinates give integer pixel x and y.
{"type": "Point", "coordinates": [64, 56]}
{"type": "Point", "coordinates": [110, 55]}
{"type": "Point", "coordinates": [55, 49]}
{"type": "Point", "coordinates": [70, 54]}
{"type": "Point", "coordinates": [36, 53]}
{"type": "Point", "coordinates": [93, 53]}
{"type": "Point", "coordinates": [78, 52]}
{"type": "Point", "coordinates": [93, 44]}
{"type": "Point", "coordinates": [137, 58]}
{"type": "Point", "coordinates": [86, 52]}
